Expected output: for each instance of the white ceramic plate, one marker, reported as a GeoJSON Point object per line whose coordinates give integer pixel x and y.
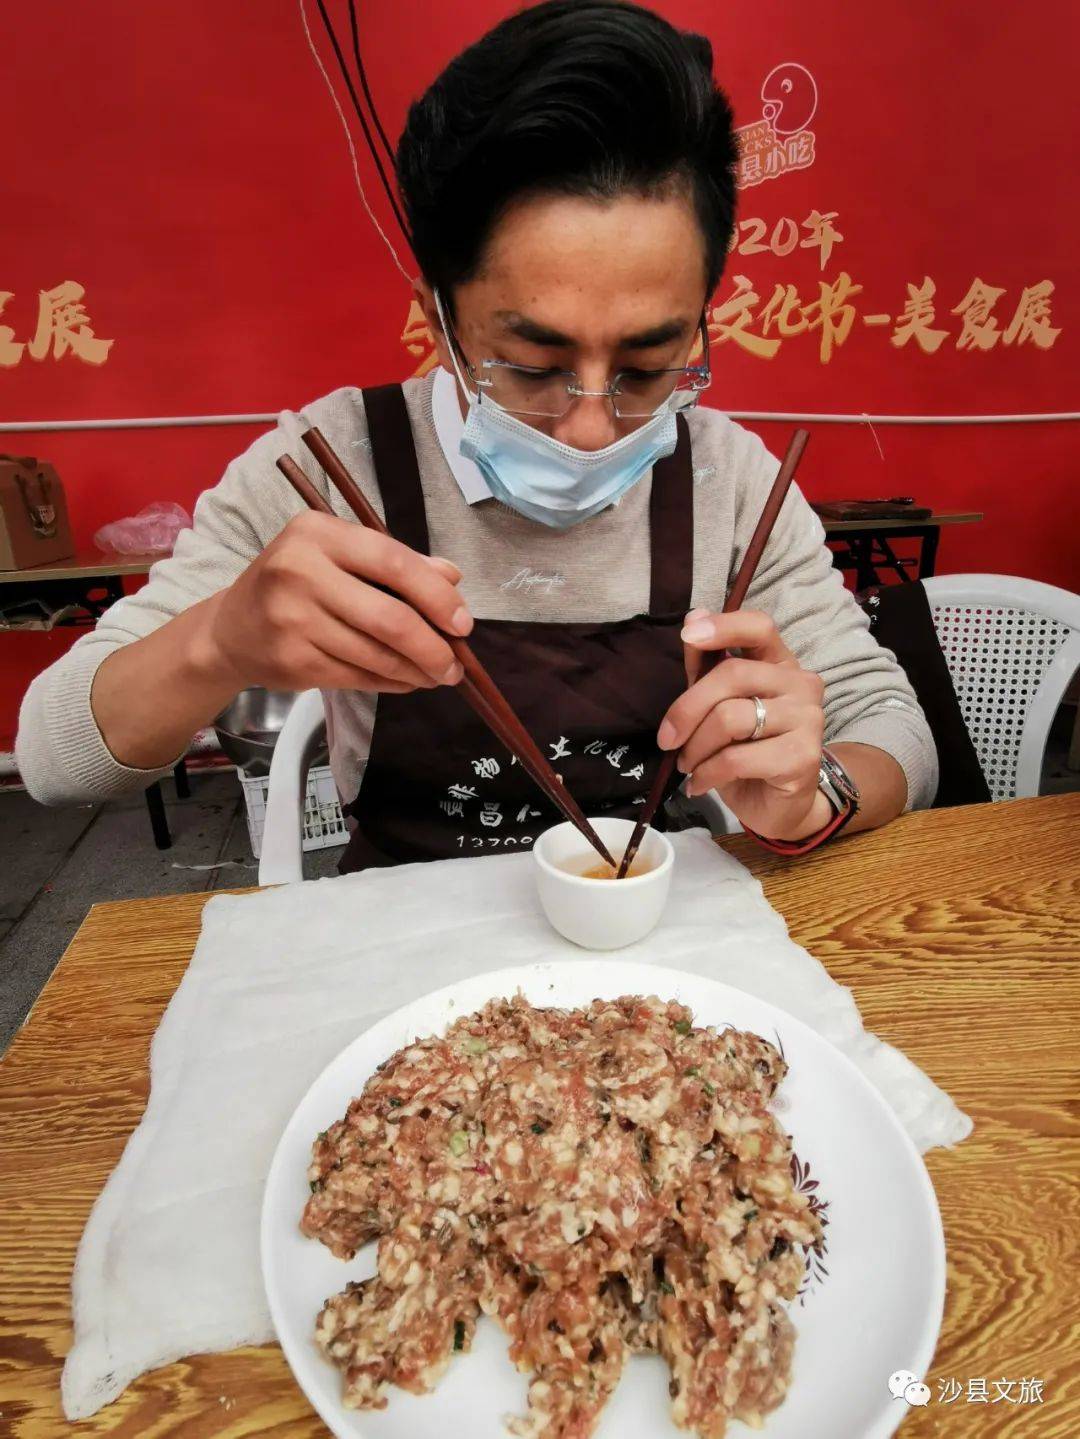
{"type": "Point", "coordinates": [873, 1301]}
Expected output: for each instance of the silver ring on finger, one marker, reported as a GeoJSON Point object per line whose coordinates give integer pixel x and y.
{"type": "Point", "coordinates": [759, 717]}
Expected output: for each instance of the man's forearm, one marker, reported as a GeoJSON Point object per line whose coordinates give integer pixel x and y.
{"type": "Point", "coordinates": [881, 781]}
{"type": "Point", "coordinates": [150, 696]}
{"type": "Point", "coordinates": [882, 787]}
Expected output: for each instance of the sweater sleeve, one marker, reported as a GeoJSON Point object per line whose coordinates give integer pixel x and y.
{"type": "Point", "coordinates": [61, 754]}
{"type": "Point", "coordinates": [868, 698]}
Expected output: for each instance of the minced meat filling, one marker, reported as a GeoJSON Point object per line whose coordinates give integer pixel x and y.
{"type": "Point", "coordinates": [600, 1181]}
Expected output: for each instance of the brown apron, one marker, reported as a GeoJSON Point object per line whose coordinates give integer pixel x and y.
{"type": "Point", "coordinates": [438, 784]}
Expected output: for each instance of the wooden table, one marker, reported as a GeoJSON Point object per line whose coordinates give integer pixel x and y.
{"type": "Point", "coordinates": [90, 580]}
{"type": "Point", "coordinates": [82, 564]}
{"type": "Point", "coordinates": [959, 932]}
{"type": "Point", "coordinates": [865, 545]}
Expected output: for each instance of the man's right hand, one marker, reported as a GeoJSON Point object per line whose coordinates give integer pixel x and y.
{"type": "Point", "coordinates": [308, 614]}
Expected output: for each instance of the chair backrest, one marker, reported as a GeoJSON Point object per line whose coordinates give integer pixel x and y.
{"type": "Point", "coordinates": [1012, 646]}
{"type": "Point", "coordinates": [281, 859]}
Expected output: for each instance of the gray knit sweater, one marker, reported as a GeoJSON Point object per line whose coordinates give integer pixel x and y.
{"type": "Point", "coordinates": [513, 569]}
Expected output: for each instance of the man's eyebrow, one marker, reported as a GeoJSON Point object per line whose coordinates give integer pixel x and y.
{"type": "Point", "coordinates": [531, 330]}
{"type": "Point", "coordinates": [514, 323]}
{"type": "Point", "coordinates": [658, 335]}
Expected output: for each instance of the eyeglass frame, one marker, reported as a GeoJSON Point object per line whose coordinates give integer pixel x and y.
{"type": "Point", "coordinates": [700, 375]}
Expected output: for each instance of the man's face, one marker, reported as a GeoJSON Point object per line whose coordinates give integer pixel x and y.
{"type": "Point", "coordinates": [594, 287]}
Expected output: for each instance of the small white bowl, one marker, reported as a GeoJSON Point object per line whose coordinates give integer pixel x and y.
{"type": "Point", "coordinates": [601, 913]}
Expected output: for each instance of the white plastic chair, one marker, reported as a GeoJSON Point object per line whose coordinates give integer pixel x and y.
{"type": "Point", "coordinates": [1012, 646]}
{"type": "Point", "coordinates": [281, 860]}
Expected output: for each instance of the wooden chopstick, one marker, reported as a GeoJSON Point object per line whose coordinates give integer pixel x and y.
{"type": "Point", "coordinates": [508, 727]}
{"type": "Point", "coordinates": [477, 687]}
{"type": "Point", "coordinates": [314, 501]}
{"type": "Point", "coordinates": [497, 713]}
{"type": "Point", "coordinates": [311, 497]}
{"type": "Point", "coordinates": [699, 661]}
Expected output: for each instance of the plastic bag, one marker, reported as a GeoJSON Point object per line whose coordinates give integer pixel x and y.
{"type": "Point", "coordinates": [152, 531]}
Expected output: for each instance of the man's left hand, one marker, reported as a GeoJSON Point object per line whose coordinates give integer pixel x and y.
{"type": "Point", "coordinates": [770, 782]}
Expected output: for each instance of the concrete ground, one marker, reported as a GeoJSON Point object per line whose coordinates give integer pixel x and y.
{"type": "Point", "coordinates": [55, 864]}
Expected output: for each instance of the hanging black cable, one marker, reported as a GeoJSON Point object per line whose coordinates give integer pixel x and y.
{"type": "Point", "coordinates": [364, 82]}
{"type": "Point", "coordinates": [343, 67]}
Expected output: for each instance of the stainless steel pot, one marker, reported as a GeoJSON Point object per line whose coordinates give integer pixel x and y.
{"type": "Point", "coordinates": [248, 727]}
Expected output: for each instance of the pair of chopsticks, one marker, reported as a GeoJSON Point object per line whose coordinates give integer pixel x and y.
{"type": "Point", "coordinates": [477, 686]}
{"type": "Point", "coordinates": [698, 662]}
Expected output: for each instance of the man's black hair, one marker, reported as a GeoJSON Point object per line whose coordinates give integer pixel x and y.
{"type": "Point", "coordinates": [572, 97]}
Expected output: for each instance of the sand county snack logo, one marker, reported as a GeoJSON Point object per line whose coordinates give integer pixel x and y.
{"type": "Point", "coordinates": [782, 139]}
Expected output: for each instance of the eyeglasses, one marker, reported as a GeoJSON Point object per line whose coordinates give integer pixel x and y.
{"type": "Point", "coordinates": [548, 393]}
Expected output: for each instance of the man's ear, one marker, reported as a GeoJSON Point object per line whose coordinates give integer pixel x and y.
{"type": "Point", "coordinates": [425, 298]}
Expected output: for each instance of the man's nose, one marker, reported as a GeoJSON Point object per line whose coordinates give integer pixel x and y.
{"type": "Point", "coordinates": [589, 424]}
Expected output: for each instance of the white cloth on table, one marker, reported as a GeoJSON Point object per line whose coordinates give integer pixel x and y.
{"type": "Point", "coordinates": [279, 983]}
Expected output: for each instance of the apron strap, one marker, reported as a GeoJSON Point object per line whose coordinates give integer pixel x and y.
{"type": "Point", "coordinates": [671, 528]}
{"type": "Point", "coordinates": [397, 474]}
{"type": "Point", "coordinates": [671, 503]}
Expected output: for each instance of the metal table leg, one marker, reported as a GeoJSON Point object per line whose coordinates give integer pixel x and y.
{"type": "Point", "coordinates": [929, 534]}
{"type": "Point", "coordinates": [862, 548]}
{"type": "Point", "coordinates": [889, 557]}
{"type": "Point", "coordinates": [183, 783]}
{"type": "Point", "coordinates": [155, 803]}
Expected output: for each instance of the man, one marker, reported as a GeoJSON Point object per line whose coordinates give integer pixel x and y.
{"type": "Point", "coordinates": [551, 492]}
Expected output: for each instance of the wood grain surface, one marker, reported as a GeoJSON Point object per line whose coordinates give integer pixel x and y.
{"type": "Point", "coordinates": [946, 517]}
{"type": "Point", "coordinates": [86, 565]}
{"type": "Point", "coordinates": [959, 933]}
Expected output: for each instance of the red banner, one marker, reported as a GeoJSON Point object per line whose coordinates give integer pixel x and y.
{"type": "Point", "coordinates": [183, 236]}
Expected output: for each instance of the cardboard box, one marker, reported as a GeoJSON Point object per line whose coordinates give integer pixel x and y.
{"type": "Point", "coordinates": [34, 526]}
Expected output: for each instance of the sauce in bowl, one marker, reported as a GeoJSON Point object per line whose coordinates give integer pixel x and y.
{"type": "Point", "coordinates": [600, 870]}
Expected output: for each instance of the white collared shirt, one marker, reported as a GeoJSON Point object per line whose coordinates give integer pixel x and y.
{"type": "Point", "coordinates": [449, 427]}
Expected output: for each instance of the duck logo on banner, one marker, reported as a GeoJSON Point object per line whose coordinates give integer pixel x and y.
{"type": "Point", "coordinates": [782, 139]}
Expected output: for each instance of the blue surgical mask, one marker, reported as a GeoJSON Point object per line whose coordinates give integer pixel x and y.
{"type": "Point", "coordinates": [553, 483]}
{"type": "Point", "coordinates": [545, 480]}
